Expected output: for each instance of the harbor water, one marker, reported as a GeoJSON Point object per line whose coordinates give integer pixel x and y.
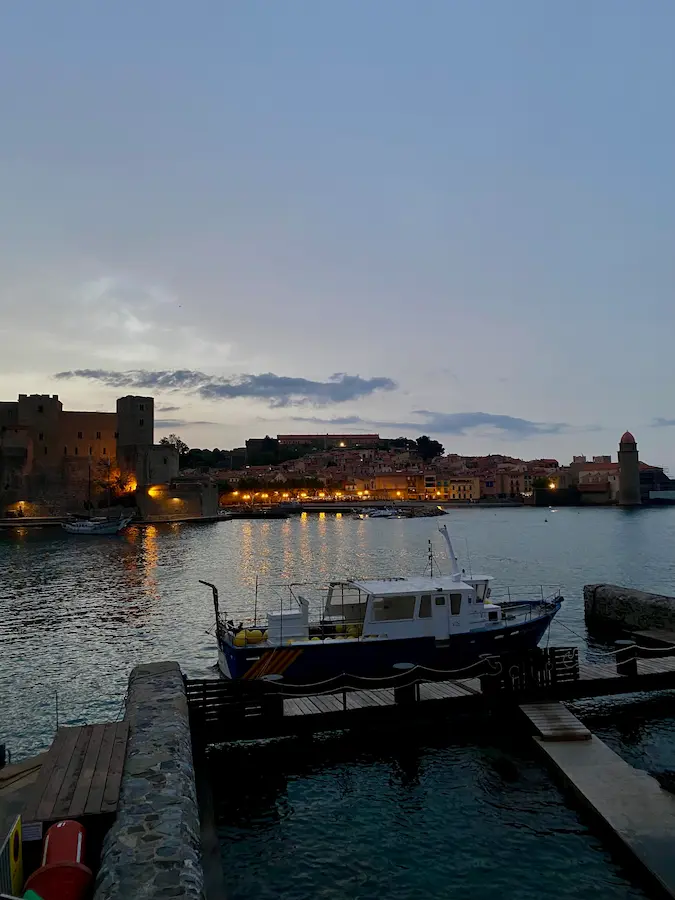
{"type": "Point", "coordinates": [403, 816]}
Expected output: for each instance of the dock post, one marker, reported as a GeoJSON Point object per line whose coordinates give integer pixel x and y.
{"type": "Point", "coordinates": [626, 658]}
{"type": "Point", "coordinates": [273, 702]}
{"type": "Point", "coordinates": [406, 693]}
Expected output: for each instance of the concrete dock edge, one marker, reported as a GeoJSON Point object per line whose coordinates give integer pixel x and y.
{"type": "Point", "coordinates": [153, 850]}
{"type": "Point", "coordinates": [630, 805]}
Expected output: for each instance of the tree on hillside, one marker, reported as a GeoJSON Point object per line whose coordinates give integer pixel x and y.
{"type": "Point", "coordinates": [174, 441]}
{"type": "Point", "coordinates": [428, 449]}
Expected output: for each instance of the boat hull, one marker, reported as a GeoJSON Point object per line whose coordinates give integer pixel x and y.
{"type": "Point", "coordinates": [315, 661]}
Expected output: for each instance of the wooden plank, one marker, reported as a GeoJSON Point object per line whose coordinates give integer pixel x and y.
{"type": "Point", "coordinates": [329, 703]}
{"type": "Point", "coordinates": [62, 804]}
{"type": "Point", "coordinates": [292, 708]}
{"type": "Point", "coordinates": [45, 807]}
{"type": "Point", "coordinates": [472, 685]}
{"type": "Point", "coordinates": [555, 722]}
{"type": "Point", "coordinates": [373, 698]}
{"type": "Point", "coordinates": [111, 793]}
{"type": "Point", "coordinates": [354, 700]}
{"type": "Point", "coordinates": [383, 696]}
{"type": "Point", "coordinates": [79, 799]}
{"type": "Point", "coordinates": [431, 692]}
{"type": "Point", "coordinates": [100, 776]}
{"type": "Point", "coordinates": [30, 810]}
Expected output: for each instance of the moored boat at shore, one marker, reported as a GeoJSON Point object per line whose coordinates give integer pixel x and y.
{"type": "Point", "coordinates": [97, 526]}
{"type": "Point", "coordinates": [366, 627]}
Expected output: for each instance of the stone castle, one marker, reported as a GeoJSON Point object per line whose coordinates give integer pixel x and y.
{"type": "Point", "coordinates": [50, 457]}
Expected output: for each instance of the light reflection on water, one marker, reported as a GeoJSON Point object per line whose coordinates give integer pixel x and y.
{"type": "Point", "coordinates": [77, 614]}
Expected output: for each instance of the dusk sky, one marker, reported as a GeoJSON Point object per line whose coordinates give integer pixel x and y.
{"type": "Point", "coordinates": [454, 218]}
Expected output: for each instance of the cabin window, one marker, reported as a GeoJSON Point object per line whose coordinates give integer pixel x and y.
{"type": "Point", "coordinates": [480, 591]}
{"type": "Point", "coordinates": [493, 616]}
{"type": "Point", "coordinates": [455, 604]}
{"type": "Point", "coordinates": [390, 609]}
{"type": "Point", "coordinates": [425, 606]}
{"type": "Point", "coordinates": [440, 601]}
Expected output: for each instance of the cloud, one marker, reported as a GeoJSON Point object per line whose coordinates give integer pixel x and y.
{"type": "Point", "coordinates": [179, 423]}
{"type": "Point", "coordinates": [166, 409]}
{"type": "Point", "coordinates": [453, 423]}
{"type": "Point", "coordinates": [277, 390]}
{"type": "Point", "coordinates": [662, 423]}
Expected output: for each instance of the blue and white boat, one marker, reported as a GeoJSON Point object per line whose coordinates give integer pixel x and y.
{"type": "Point", "coordinates": [366, 627]}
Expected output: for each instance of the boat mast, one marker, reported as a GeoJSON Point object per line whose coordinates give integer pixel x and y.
{"type": "Point", "coordinates": [454, 565]}
{"type": "Point", "coordinates": [431, 561]}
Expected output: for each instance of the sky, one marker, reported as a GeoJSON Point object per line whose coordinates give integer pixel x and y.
{"type": "Point", "coordinates": [441, 217]}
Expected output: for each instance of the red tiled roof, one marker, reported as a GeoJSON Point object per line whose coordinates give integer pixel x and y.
{"type": "Point", "coordinates": [627, 438]}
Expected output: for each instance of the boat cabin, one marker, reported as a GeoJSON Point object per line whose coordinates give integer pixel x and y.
{"type": "Point", "coordinates": [392, 608]}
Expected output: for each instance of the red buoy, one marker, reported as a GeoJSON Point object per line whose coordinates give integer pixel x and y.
{"type": "Point", "coordinates": [62, 875]}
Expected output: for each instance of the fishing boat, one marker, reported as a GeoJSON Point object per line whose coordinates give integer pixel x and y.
{"type": "Point", "coordinates": [97, 525]}
{"type": "Point", "coordinates": [366, 627]}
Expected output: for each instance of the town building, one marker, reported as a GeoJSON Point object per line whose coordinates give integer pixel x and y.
{"type": "Point", "coordinates": [328, 441]}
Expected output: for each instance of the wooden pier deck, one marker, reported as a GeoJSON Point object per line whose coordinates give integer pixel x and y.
{"type": "Point", "coordinates": [80, 774]}
{"type": "Point", "coordinates": [221, 710]}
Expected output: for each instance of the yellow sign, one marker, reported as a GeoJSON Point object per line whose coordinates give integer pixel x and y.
{"type": "Point", "coordinates": [16, 857]}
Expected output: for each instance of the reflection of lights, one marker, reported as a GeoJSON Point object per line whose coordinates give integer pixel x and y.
{"type": "Point", "coordinates": [247, 496]}
{"type": "Point", "coordinates": [322, 515]}
{"type": "Point", "coordinates": [338, 515]}
{"type": "Point", "coordinates": [321, 494]}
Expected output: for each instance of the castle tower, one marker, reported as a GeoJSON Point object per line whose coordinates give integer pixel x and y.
{"type": "Point", "coordinates": [135, 421]}
{"type": "Point", "coordinates": [629, 472]}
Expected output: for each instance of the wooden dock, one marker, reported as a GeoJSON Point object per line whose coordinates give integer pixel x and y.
{"type": "Point", "coordinates": [221, 710]}
{"type": "Point", "coordinates": [80, 774]}
{"type": "Point", "coordinates": [554, 722]}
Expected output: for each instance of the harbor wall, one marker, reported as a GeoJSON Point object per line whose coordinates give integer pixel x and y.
{"type": "Point", "coordinates": [627, 607]}
{"type": "Point", "coordinates": [153, 850]}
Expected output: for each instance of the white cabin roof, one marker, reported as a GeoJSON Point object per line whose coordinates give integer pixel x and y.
{"type": "Point", "coordinates": [423, 584]}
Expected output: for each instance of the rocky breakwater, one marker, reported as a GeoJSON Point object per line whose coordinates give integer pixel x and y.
{"type": "Point", "coordinates": [628, 608]}
{"type": "Point", "coordinates": [153, 849]}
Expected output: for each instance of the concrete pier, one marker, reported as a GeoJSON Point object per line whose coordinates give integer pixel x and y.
{"type": "Point", "coordinates": [638, 813]}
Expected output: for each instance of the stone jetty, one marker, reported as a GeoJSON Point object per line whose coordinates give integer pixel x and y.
{"type": "Point", "coordinates": [628, 607]}
{"type": "Point", "coordinates": [154, 850]}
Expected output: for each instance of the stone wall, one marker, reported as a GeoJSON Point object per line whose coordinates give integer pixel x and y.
{"type": "Point", "coordinates": [153, 850]}
{"type": "Point", "coordinates": [628, 607]}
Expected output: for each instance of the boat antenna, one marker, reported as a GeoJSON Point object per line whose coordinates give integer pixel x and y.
{"type": "Point", "coordinates": [431, 560]}
{"type": "Point", "coordinates": [454, 565]}
{"type": "Point", "coordinates": [468, 556]}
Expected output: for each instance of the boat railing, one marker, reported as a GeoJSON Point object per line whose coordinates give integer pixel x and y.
{"type": "Point", "coordinates": [525, 593]}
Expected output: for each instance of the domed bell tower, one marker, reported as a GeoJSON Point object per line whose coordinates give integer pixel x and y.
{"type": "Point", "coordinates": [629, 472]}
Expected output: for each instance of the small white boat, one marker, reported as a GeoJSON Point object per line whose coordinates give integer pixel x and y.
{"type": "Point", "coordinates": [97, 526]}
